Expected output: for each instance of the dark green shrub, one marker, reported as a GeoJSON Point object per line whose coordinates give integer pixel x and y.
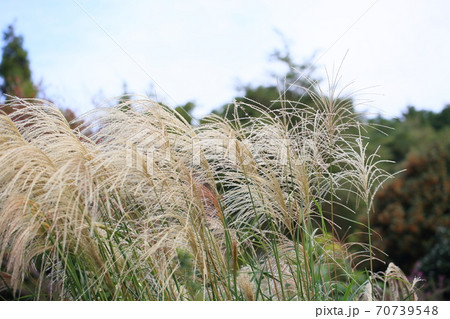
{"type": "Point", "coordinates": [409, 210]}
{"type": "Point", "coordinates": [435, 265]}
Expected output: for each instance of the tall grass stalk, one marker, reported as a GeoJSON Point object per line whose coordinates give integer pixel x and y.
{"type": "Point", "coordinates": [150, 207]}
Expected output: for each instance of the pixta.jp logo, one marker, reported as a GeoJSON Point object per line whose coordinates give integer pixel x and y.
{"type": "Point", "coordinates": [146, 148]}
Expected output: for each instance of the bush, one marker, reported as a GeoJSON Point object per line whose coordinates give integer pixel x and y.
{"type": "Point", "coordinates": [409, 210]}
{"type": "Point", "coordinates": [434, 267]}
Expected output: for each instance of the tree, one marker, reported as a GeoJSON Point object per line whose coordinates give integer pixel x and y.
{"type": "Point", "coordinates": [15, 75]}
{"type": "Point", "coordinates": [409, 210]}
{"type": "Point", "coordinates": [414, 132]}
{"type": "Point", "coordinates": [15, 67]}
{"type": "Point", "coordinates": [274, 97]}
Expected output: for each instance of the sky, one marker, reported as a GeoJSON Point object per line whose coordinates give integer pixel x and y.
{"type": "Point", "coordinates": [393, 53]}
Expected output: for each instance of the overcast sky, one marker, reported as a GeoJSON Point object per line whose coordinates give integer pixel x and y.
{"type": "Point", "coordinates": [397, 52]}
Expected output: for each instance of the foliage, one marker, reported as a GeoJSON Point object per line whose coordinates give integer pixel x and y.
{"type": "Point", "coordinates": [435, 265]}
{"type": "Point", "coordinates": [413, 206]}
{"type": "Point", "coordinates": [413, 132]}
{"type": "Point", "coordinates": [291, 91]}
{"type": "Point", "coordinates": [186, 111]}
{"type": "Point", "coordinates": [15, 67]}
{"type": "Point", "coordinates": [16, 75]}
{"type": "Point", "coordinates": [410, 211]}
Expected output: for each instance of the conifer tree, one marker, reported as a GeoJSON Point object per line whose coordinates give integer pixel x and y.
{"type": "Point", "coordinates": [15, 72]}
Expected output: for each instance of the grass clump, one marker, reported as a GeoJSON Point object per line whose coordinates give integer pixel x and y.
{"type": "Point", "coordinates": [150, 207]}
